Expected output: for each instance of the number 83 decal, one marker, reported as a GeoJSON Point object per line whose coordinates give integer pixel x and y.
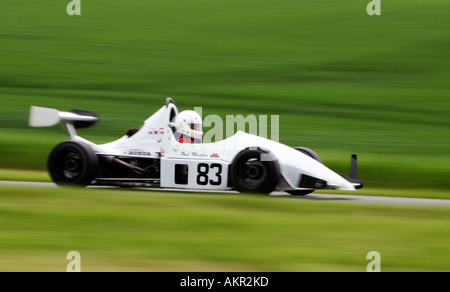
{"type": "Point", "coordinates": [203, 177]}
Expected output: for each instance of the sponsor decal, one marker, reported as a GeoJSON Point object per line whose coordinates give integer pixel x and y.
{"type": "Point", "coordinates": [136, 152]}
{"type": "Point", "coordinates": [194, 154]}
{"type": "Point", "coordinates": [156, 131]}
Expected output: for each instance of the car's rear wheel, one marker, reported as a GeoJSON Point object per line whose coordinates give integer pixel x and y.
{"type": "Point", "coordinates": [73, 164]}
{"type": "Point", "coordinates": [313, 155]}
{"type": "Point", "coordinates": [255, 171]}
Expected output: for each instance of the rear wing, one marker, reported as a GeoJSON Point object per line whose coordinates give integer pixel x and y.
{"type": "Point", "coordinates": [48, 117]}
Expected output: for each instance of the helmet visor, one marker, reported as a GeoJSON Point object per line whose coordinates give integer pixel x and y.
{"type": "Point", "coordinates": [195, 126]}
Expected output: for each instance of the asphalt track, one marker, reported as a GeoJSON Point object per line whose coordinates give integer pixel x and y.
{"type": "Point", "coordinates": [331, 197]}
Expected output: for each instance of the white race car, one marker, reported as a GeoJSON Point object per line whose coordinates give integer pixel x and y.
{"type": "Point", "coordinates": [153, 157]}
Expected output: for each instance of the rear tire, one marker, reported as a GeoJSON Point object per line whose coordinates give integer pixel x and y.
{"type": "Point", "coordinates": [251, 172]}
{"type": "Point", "coordinates": [313, 155]}
{"type": "Point", "coordinates": [72, 163]}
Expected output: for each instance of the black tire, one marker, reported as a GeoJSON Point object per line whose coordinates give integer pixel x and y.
{"type": "Point", "coordinates": [251, 174]}
{"type": "Point", "coordinates": [72, 163]}
{"type": "Point", "coordinates": [299, 192]}
{"type": "Point", "coordinates": [311, 154]}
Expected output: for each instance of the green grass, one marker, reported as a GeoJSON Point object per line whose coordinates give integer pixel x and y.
{"type": "Point", "coordinates": [341, 81]}
{"type": "Point", "coordinates": [24, 175]}
{"type": "Point", "coordinates": [125, 230]}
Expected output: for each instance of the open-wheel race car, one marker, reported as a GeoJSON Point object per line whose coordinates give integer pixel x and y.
{"type": "Point", "coordinates": [155, 155]}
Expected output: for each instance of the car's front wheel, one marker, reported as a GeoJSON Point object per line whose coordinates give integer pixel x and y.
{"type": "Point", "coordinates": [72, 163]}
{"type": "Point", "coordinates": [255, 171]}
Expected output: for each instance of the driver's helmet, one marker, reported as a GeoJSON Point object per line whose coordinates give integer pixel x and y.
{"type": "Point", "coordinates": [188, 127]}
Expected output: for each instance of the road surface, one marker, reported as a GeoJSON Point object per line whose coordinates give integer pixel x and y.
{"type": "Point", "coordinates": [337, 197]}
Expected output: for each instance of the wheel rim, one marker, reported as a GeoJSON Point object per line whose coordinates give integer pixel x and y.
{"type": "Point", "coordinates": [72, 166]}
{"type": "Point", "coordinates": [252, 173]}
{"type": "Point", "coordinates": [69, 165]}
{"type": "Point", "coordinates": [255, 172]}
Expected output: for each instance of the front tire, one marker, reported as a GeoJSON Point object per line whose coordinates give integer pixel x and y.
{"type": "Point", "coordinates": [255, 171]}
{"type": "Point", "coordinates": [72, 163]}
{"type": "Point", "coordinates": [299, 192]}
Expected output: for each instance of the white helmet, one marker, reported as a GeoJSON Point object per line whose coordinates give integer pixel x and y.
{"type": "Point", "coordinates": [189, 124]}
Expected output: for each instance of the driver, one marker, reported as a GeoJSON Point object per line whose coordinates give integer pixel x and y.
{"type": "Point", "coordinates": [188, 127]}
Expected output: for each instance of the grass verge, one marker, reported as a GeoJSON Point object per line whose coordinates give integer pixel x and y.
{"type": "Point", "coordinates": [126, 230]}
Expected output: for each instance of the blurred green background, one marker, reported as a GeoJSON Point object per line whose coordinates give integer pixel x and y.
{"type": "Point", "coordinates": [341, 81]}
